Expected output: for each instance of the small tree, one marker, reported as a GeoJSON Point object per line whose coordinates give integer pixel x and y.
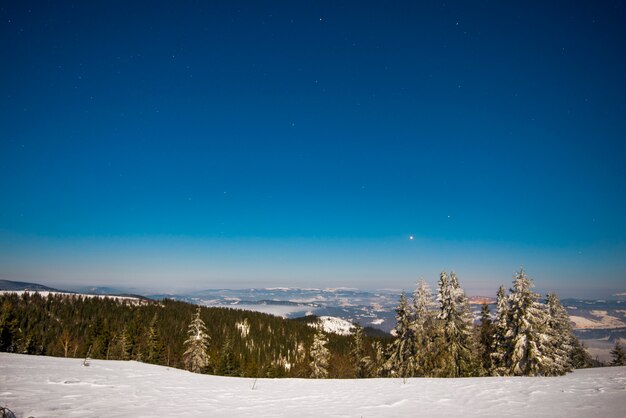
{"type": "Point", "coordinates": [319, 355]}
{"type": "Point", "coordinates": [617, 353]}
{"type": "Point", "coordinates": [196, 357]}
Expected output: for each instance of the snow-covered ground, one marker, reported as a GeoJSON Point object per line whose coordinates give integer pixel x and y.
{"type": "Point", "coordinates": [47, 386]}
{"type": "Point", "coordinates": [333, 324]}
{"type": "Point", "coordinates": [45, 293]}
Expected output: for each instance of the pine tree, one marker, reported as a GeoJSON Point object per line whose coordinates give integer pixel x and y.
{"type": "Point", "coordinates": [486, 337]}
{"type": "Point", "coordinates": [196, 356]}
{"type": "Point", "coordinates": [499, 347]}
{"type": "Point", "coordinates": [618, 356]}
{"type": "Point", "coordinates": [456, 320]}
{"type": "Point", "coordinates": [402, 361]}
{"type": "Point", "coordinates": [526, 319]}
{"type": "Point", "coordinates": [320, 356]}
{"type": "Point", "coordinates": [357, 354]}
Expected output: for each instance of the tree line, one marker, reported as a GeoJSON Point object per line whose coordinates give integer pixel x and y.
{"type": "Point", "coordinates": [433, 336]}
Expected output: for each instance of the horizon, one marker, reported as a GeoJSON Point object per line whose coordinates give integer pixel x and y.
{"type": "Point", "coordinates": [314, 145]}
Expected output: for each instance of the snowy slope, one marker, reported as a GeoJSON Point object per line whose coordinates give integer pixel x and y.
{"type": "Point", "coordinates": [332, 324]}
{"type": "Point", "coordinates": [48, 386]}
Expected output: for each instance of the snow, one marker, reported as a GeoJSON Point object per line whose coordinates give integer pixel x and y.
{"type": "Point", "coordinates": [48, 386]}
{"type": "Point", "coordinates": [333, 324]}
{"type": "Point", "coordinates": [45, 293]}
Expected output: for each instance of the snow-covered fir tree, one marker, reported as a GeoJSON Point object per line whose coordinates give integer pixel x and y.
{"type": "Point", "coordinates": [558, 339]}
{"type": "Point", "coordinates": [456, 326]}
{"type": "Point", "coordinates": [526, 329]}
{"type": "Point", "coordinates": [499, 345]}
{"type": "Point", "coordinates": [618, 357]}
{"type": "Point", "coordinates": [320, 356]}
{"type": "Point", "coordinates": [423, 327]}
{"type": "Point", "coordinates": [196, 356]}
{"type": "Point", "coordinates": [402, 361]}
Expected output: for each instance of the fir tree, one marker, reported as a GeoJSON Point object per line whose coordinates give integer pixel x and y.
{"type": "Point", "coordinates": [486, 337]}
{"type": "Point", "coordinates": [526, 319]}
{"type": "Point", "coordinates": [357, 354]}
{"type": "Point", "coordinates": [402, 361]}
{"type": "Point", "coordinates": [499, 347]}
{"type": "Point", "coordinates": [320, 356]}
{"type": "Point", "coordinates": [617, 354]}
{"type": "Point", "coordinates": [228, 364]}
{"type": "Point", "coordinates": [375, 363]}
{"type": "Point", "coordinates": [423, 327]}
{"type": "Point", "coordinates": [196, 356]}
{"type": "Point", "coordinates": [155, 348]}
{"type": "Point", "coordinates": [557, 344]}
{"type": "Point", "coordinates": [456, 321]}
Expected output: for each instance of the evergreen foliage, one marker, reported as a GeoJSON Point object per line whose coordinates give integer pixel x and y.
{"type": "Point", "coordinates": [486, 334]}
{"type": "Point", "coordinates": [196, 356]}
{"type": "Point", "coordinates": [526, 329]}
{"type": "Point", "coordinates": [319, 356]}
{"type": "Point", "coordinates": [617, 354]}
{"type": "Point", "coordinates": [402, 361]}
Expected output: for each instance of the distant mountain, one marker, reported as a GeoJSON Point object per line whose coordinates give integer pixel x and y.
{"type": "Point", "coordinates": [12, 285]}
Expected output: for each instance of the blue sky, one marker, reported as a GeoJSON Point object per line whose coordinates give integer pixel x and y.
{"type": "Point", "coordinates": [301, 143]}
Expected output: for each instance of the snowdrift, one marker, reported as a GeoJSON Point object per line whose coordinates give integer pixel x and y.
{"type": "Point", "coordinates": [48, 386]}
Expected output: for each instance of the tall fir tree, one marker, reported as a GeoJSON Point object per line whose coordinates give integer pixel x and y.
{"type": "Point", "coordinates": [357, 353]}
{"type": "Point", "coordinates": [196, 356]}
{"type": "Point", "coordinates": [499, 347]}
{"type": "Point", "coordinates": [456, 327]}
{"type": "Point", "coordinates": [423, 327]}
{"type": "Point", "coordinates": [320, 356]}
{"type": "Point", "coordinates": [557, 344]}
{"type": "Point", "coordinates": [486, 338]}
{"type": "Point", "coordinates": [526, 328]}
{"type": "Point", "coordinates": [402, 361]}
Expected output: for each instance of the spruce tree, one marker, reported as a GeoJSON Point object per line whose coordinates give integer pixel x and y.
{"type": "Point", "coordinates": [423, 327]}
{"type": "Point", "coordinates": [499, 347]}
{"type": "Point", "coordinates": [526, 322]}
{"type": "Point", "coordinates": [558, 344]}
{"type": "Point", "coordinates": [320, 356]}
{"type": "Point", "coordinates": [357, 354]}
{"type": "Point", "coordinates": [402, 361]}
{"type": "Point", "coordinates": [486, 338]}
{"type": "Point", "coordinates": [618, 356]}
{"type": "Point", "coordinates": [196, 356]}
{"type": "Point", "coordinates": [375, 364]}
{"type": "Point", "coordinates": [456, 321]}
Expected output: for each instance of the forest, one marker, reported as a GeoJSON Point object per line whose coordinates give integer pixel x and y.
{"type": "Point", "coordinates": [434, 336]}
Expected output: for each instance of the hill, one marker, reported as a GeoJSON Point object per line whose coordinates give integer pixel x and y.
{"type": "Point", "coordinates": [12, 285]}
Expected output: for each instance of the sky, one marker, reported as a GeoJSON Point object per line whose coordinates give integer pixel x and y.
{"type": "Point", "coordinates": [363, 144]}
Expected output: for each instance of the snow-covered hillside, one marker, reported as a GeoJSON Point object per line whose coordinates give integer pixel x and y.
{"type": "Point", "coordinates": [332, 324]}
{"type": "Point", "coordinates": [48, 386]}
{"type": "Point", "coordinates": [45, 293]}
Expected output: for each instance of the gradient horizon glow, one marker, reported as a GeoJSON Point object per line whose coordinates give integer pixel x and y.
{"type": "Point", "coordinates": [178, 145]}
